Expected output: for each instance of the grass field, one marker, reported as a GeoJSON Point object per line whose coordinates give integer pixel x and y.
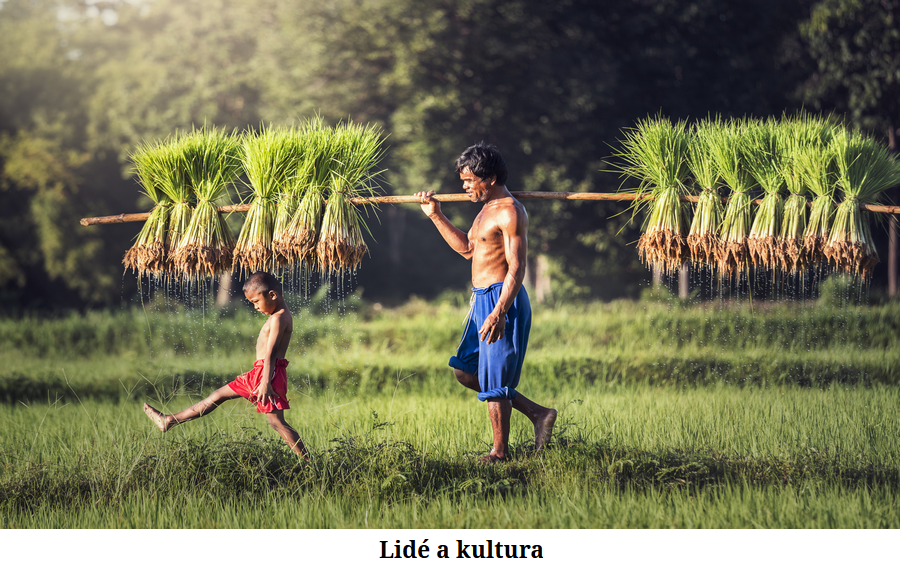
{"type": "Point", "coordinates": [696, 416]}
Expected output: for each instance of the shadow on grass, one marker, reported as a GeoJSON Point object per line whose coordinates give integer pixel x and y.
{"type": "Point", "coordinates": [367, 466]}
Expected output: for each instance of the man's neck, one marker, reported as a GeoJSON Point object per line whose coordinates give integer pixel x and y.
{"type": "Point", "coordinates": [496, 193]}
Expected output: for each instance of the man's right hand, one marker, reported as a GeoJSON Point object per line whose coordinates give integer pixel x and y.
{"type": "Point", "coordinates": [429, 206]}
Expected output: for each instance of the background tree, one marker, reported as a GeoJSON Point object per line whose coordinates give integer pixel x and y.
{"type": "Point", "coordinates": [552, 84]}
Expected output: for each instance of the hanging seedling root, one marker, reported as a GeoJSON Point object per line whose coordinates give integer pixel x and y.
{"type": "Point", "coordinates": [792, 256]}
{"type": "Point", "coordinates": [252, 258]}
{"type": "Point", "coordinates": [663, 250]}
{"type": "Point", "coordinates": [703, 248]}
{"type": "Point", "coordinates": [731, 257]}
{"type": "Point", "coordinates": [340, 254]}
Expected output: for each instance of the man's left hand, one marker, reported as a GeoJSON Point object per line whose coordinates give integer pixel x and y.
{"type": "Point", "coordinates": [493, 328]}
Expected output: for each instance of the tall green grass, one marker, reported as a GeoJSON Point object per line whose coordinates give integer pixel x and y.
{"type": "Point", "coordinates": [166, 349]}
{"type": "Point", "coordinates": [623, 457]}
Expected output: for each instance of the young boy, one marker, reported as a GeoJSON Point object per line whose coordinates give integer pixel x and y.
{"type": "Point", "coordinates": [266, 384]}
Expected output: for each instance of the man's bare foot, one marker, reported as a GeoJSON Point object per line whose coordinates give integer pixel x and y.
{"type": "Point", "coordinates": [491, 458]}
{"type": "Point", "coordinates": [543, 429]}
{"type": "Point", "coordinates": [160, 419]}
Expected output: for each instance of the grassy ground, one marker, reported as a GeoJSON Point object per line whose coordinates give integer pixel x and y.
{"type": "Point", "coordinates": [703, 416]}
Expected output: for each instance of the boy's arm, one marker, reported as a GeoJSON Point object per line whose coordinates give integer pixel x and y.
{"type": "Point", "coordinates": [276, 329]}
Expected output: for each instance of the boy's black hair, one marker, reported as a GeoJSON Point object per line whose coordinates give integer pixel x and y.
{"type": "Point", "coordinates": [262, 282]}
{"type": "Point", "coordinates": [484, 161]}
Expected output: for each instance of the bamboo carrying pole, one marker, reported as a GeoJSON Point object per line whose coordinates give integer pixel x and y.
{"type": "Point", "coordinates": [590, 196]}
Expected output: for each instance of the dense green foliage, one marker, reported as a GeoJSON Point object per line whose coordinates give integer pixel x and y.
{"type": "Point", "coordinates": [551, 83]}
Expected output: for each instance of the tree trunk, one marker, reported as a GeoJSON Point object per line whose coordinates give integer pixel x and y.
{"type": "Point", "coordinates": [396, 230]}
{"type": "Point", "coordinates": [892, 254]}
{"type": "Point", "coordinates": [684, 280]}
{"type": "Point", "coordinates": [657, 277]}
{"type": "Point", "coordinates": [892, 225]}
{"type": "Point", "coordinates": [537, 279]}
{"type": "Point", "coordinates": [223, 295]}
{"type": "Point", "coordinates": [542, 286]}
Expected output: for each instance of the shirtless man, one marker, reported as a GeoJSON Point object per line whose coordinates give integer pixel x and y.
{"type": "Point", "coordinates": [266, 384]}
{"type": "Point", "coordinates": [492, 349]}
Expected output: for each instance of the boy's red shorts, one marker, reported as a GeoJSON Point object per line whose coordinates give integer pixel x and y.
{"type": "Point", "coordinates": [245, 384]}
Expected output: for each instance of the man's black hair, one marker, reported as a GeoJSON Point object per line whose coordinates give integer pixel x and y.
{"type": "Point", "coordinates": [262, 282]}
{"type": "Point", "coordinates": [484, 161]}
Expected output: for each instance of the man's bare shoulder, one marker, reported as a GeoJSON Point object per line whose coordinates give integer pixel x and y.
{"type": "Point", "coordinates": [507, 213]}
{"type": "Point", "coordinates": [509, 208]}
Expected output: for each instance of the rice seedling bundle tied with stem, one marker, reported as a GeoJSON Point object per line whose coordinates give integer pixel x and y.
{"type": "Point", "coordinates": [729, 157]}
{"type": "Point", "coordinates": [765, 162]}
{"type": "Point", "coordinates": [148, 254]}
{"type": "Point", "coordinates": [816, 165]}
{"type": "Point", "coordinates": [655, 152]}
{"type": "Point", "coordinates": [295, 244]}
{"type": "Point", "coordinates": [358, 151]}
{"type": "Point", "coordinates": [703, 239]}
{"type": "Point", "coordinates": [212, 159]}
{"type": "Point", "coordinates": [174, 183]}
{"type": "Point", "coordinates": [863, 170]}
{"type": "Point", "coordinates": [794, 136]}
{"type": "Point", "coordinates": [269, 159]}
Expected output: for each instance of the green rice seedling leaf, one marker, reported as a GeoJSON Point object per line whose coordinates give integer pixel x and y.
{"type": "Point", "coordinates": [149, 252]}
{"type": "Point", "coordinates": [729, 155]}
{"type": "Point", "coordinates": [815, 164]}
{"type": "Point", "coordinates": [703, 238]}
{"type": "Point", "coordinates": [655, 152]}
{"type": "Point", "coordinates": [765, 160]}
{"type": "Point", "coordinates": [796, 136]}
{"type": "Point", "coordinates": [270, 159]}
{"type": "Point", "coordinates": [864, 169]}
{"type": "Point", "coordinates": [212, 159]}
{"type": "Point", "coordinates": [358, 150]}
{"type": "Point", "coordinates": [297, 243]}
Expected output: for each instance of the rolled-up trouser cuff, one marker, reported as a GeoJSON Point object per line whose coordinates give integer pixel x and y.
{"type": "Point", "coordinates": [460, 365]}
{"type": "Point", "coordinates": [503, 393]}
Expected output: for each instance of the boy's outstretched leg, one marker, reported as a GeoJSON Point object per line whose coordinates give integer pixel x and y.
{"type": "Point", "coordinates": [542, 418]}
{"type": "Point", "coordinates": [201, 408]}
{"type": "Point", "coordinates": [287, 433]}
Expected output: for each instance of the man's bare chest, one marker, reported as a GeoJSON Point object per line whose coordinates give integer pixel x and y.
{"type": "Point", "coordinates": [485, 231]}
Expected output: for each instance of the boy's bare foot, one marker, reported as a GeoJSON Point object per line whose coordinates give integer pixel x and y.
{"type": "Point", "coordinates": [159, 418]}
{"type": "Point", "coordinates": [543, 429]}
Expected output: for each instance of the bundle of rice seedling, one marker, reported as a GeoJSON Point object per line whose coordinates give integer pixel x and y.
{"type": "Point", "coordinates": [148, 254]}
{"type": "Point", "coordinates": [297, 242]}
{"type": "Point", "coordinates": [729, 157]}
{"type": "Point", "coordinates": [212, 159]}
{"type": "Point", "coordinates": [864, 169]}
{"type": "Point", "coordinates": [655, 152]}
{"type": "Point", "coordinates": [269, 158]}
{"type": "Point", "coordinates": [765, 162]}
{"type": "Point", "coordinates": [796, 136]}
{"type": "Point", "coordinates": [173, 182]}
{"type": "Point", "coordinates": [816, 165]}
{"type": "Point", "coordinates": [703, 239]}
{"type": "Point", "coordinates": [341, 246]}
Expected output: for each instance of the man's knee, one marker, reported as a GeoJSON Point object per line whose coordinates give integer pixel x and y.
{"type": "Point", "coordinates": [466, 379]}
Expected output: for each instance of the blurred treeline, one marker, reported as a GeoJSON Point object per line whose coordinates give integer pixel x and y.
{"type": "Point", "coordinates": [551, 83]}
